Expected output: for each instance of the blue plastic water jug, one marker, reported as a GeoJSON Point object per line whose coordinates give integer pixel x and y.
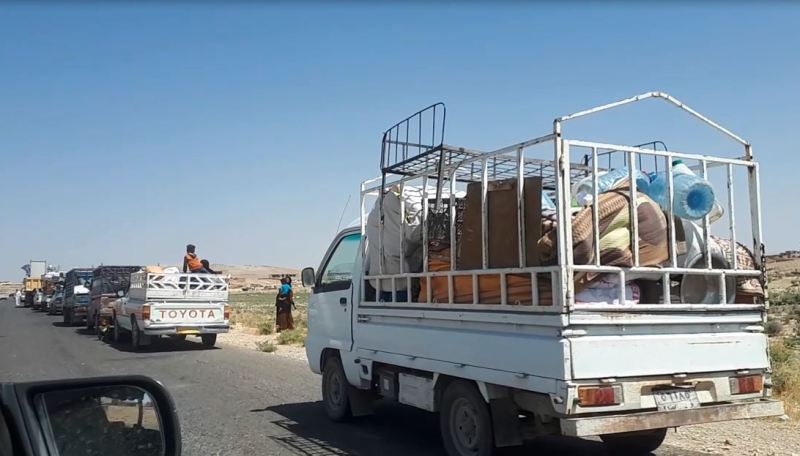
{"type": "Point", "coordinates": [693, 197]}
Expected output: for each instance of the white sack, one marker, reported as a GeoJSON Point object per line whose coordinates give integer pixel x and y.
{"type": "Point", "coordinates": [389, 262]}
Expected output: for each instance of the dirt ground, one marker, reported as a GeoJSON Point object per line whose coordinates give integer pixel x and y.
{"type": "Point", "coordinates": [767, 437]}
{"type": "Point", "coordinates": [248, 338]}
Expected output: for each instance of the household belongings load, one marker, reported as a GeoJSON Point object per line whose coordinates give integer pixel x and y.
{"type": "Point", "coordinates": [615, 245]}
{"type": "Point", "coordinates": [111, 279]}
{"type": "Point", "coordinates": [540, 248]}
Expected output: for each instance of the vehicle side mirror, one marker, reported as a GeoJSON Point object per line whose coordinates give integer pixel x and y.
{"type": "Point", "coordinates": [132, 415]}
{"type": "Point", "coordinates": [120, 293]}
{"type": "Point", "coordinates": [308, 277]}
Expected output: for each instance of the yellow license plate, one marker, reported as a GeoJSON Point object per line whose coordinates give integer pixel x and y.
{"type": "Point", "coordinates": [188, 331]}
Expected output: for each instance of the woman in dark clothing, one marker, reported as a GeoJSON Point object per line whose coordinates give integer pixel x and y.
{"type": "Point", "coordinates": [283, 306]}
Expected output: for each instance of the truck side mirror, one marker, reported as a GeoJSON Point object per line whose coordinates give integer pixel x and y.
{"type": "Point", "coordinates": [308, 277]}
{"type": "Point", "coordinates": [97, 416]}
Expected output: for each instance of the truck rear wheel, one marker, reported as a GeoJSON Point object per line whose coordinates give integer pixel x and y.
{"type": "Point", "coordinates": [67, 316]}
{"type": "Point", "coordinates": [208, 339]}
{"type": "Point", "coordinates": [90, 321]}
{"type": "Point", "coordinates": [117, 330]}
{"type": "Point", "coordinates": [334, 390]}
{"type": "Point", "coordinates": [465, 422]}
{"type": "Point", "coordinates": [136, 335]}
{"type": "Point", "coordinates": [635, 443]}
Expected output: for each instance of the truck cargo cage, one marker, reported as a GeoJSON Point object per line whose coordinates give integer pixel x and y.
{"type": "Point", "coordinates": [166, 286]}
{"type": "Point", "coordinates": [415, 156]}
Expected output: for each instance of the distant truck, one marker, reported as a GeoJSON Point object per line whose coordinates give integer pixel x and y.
{"type": "Point", "coordinates": [51, 284]}
{"type": "Point", "coordinates": [107, 283]}
{"type": "Point", "coordinates": [30, 286]}
{"type": "Point", "coordinates": [33, 282]}
{"type": "Point", "coordinates": [76, 295]}
{"type": "Point", "coordinates": [172, 304]}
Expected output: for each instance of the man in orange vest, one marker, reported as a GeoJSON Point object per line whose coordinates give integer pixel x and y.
{"type": "Point", "coordinates": [192, 263]}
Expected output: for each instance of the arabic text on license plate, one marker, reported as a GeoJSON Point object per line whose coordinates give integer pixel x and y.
{"type": "Point", "coordinates": [676, 399]}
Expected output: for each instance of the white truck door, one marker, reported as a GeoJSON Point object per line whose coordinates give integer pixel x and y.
{"type": "Point", "coordinates": [331, 305]}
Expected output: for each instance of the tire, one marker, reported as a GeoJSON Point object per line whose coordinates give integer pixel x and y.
{"type": "Point", "coordinates": [117, 332]}
{"type": "Point", "coordinates": [208, 339]}
{"type": "Point", "coordinates": [136, 335]}
{"type": "Point", "coordinates": [634, 443]}
{"type": "Point", "coordinates": [334, 390]}
{"type": "Point", "coordinates": [90, 322]}
{"type": "Point", "coordinates": [68, 317]}
{"type": "Point", "coordinates": [465, 422]}
{"type": "Point", "coordinates": [100, 334]}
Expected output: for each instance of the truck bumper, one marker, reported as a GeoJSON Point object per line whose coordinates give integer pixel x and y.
{"type": "Point", "coordinates": [612, 424]}
{"type": "Point", "coordinates": [185, 330]}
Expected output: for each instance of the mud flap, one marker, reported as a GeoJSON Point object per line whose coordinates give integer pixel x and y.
{"type": "Point", "coordinates": [505, 422]}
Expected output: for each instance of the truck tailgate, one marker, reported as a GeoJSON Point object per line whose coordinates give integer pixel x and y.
{"type": "Point", "coordinates": [187, 314]}
{"type": "Point", "coordinates": [643, 355]}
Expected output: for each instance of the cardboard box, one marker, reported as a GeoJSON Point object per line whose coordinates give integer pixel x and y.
{"type": "Point", "coordinates": [503, 239]}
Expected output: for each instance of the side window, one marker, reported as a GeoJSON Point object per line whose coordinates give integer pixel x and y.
{"type": "Point", "coordinates": [338, 272]}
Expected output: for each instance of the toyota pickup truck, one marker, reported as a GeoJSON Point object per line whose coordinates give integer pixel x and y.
{"type": "Point", "coordinates": [172, 304]}
{"type": "Point", "coordinates": [462, 293]}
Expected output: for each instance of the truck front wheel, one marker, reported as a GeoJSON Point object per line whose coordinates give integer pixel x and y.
{"type": "Point", "coordinates": [136, 335]}
{"type": "Point", "coordinates": [334, 390]}
{"type": "Point", "coordinates": [635, 443]}
{"type": "Point", "coordinates": [465, 422]}
{"type": "Point", "coordinates": [117, 331]}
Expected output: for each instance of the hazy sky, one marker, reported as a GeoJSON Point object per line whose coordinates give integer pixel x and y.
{"type": "Point", "coordinates": [127, 131]}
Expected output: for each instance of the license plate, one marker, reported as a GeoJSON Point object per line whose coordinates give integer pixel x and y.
{"type": "Point", "coordinates": [187, 331]}
{"type": "Point", "coordinates": [676, 399]}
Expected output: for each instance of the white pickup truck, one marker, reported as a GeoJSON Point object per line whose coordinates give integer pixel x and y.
{"type": "Point", "coordinates": [172, 304]}
{"type": "Point", "coordinates": [507, 353]}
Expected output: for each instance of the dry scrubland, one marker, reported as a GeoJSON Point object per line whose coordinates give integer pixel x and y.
{"type": "Point", "coordinates": [783, 326]}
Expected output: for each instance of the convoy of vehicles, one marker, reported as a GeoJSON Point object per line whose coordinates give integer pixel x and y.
{"type": "Point", "coordinates": [507, 348]}
{"type": "Point", "coordinates": [137, 303]}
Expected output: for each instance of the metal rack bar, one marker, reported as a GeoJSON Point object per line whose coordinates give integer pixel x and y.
{"type": "Point", "coordinates": [732, 217]}
{"type": "Point", "coordinates": [521, 206]}
{"type": "Point", "coordinates": [595, 208]}
{"type": "Point", "coordinates": [706, 224]}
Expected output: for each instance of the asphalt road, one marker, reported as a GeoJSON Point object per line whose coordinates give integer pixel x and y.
{"type": "Point", "coordinates": [234, 401]}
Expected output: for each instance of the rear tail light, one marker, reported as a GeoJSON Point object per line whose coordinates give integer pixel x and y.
{"type": "Point", "coordinates": [227, 313]}
{"type": "Point", "coordinates": [145, 312]}
{"type": "Point", "coordinates": [596, 396]}
{"type": "Point", "coordinates": [747, 384]}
